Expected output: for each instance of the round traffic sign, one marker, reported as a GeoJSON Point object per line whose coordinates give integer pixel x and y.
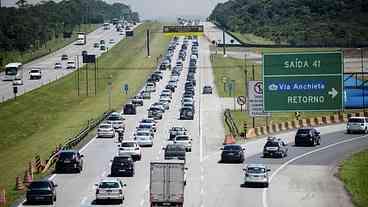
{"type": "Point", "coordinates": [241, 100]}
{"type": "Point", "coordinates": [258, 88]}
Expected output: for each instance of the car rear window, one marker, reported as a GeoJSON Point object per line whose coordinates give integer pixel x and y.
{"type": "Point", "coordinates": [109, 185]}
{"type": "Point", "coordinates": [303, 131]}
{"type": "Point", "coordinates": [66, 155]}
{"type": "Point", "coordinates": [356, 120]}
{"type": "Point", "coordinates": [114, 118]}
{"type": "Point", "coordinates": [39, 185]}
{"type": "Point", "coordinates": [180, 138]}
{"type": "Point", "coordinates": [272, 144]}
{"type": "Point", "coordinates": [256, 170]}
{"type": "Point", "coordinates": [127, 144]}
{"type": "Point", "coordinates": [232, 147]}
{"type": "Point", "coordinates": [105, 126]}
{"type": "Point", "coordinates": [175, 148]}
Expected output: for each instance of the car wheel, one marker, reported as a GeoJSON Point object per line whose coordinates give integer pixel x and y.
{"type": "Point", "coordinates": [366, 130]}
{"type": "Point", "coordinates": [348, 132]}
{"type": "Point", "coordinates": [265, 185]}
{"type": "Point", "coordinates": [319, 141]}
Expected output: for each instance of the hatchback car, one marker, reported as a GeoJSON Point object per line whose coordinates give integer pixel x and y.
{"type": "Point", "coordinates": [106, 130]}
{"type": "Point", "coordinates": [256, 174]}
{"type": "Point", "coordinates": [116, 119]}
{"type": "Point", "coordinates": [275, 147]}
{"type": "Point", "coordinates": [184, 140]}
{"type": "Point", "coordinates": [41, 191]}
{"type": "Point", "coordinates": [129, 109]}
{"type": "Point", "coordinates": [357, 124]}
{"type": "Point", "coordinates": [186, 113]}
{"type": "Point", "coordinates": [130, 148]}
{"type": "Point", "coordinates": [121, 166]}
{"type": "Point", "coordinates": [307, 136]}
{"type": "Point", "coordinates": [207, 90]}
{"type": "Point", "coordinates": [174, 151]}
{"type": "Point", "coordinates": [144, 138]}
{"type": "Point", "coordinates": [69, 160]}
{"type": "Point", "coordinates": [110, 189]}
{"type": "Point", "coordinates": [232, 153]}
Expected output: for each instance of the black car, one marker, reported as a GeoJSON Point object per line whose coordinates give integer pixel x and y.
{"type": "Point", "coordinates": [41, 191]}
{"type": "Point", "coordinates": [186, 113]}
{"type": "Point", "coordinates": [307, 136]}
{"type": "Point", "coordinates": [137, 100]}
{"type": "Point", "coordinates": [122, 166]}
{"type": "Point", "coordinates": [232, 153]}
{"type": "Point", "coordinates": [275, 147]}
{"type": "Point", "coordinates": [170, 87]}
{"type": "Point", "coordinates": [69, 160]}
{"type": "Point", "coordinates": [174, 151]}
{"type": "Point", "coordinates": [64, 57]}
{"type": "Point", "coordinates": [155, 113]}
{"type": "Point", "coordinates": [207, 90]}
{"type": "Point", "coordinates": [129, 109]}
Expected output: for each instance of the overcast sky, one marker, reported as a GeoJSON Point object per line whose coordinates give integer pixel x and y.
{"type": "Point", "coordinates": [160, 9]}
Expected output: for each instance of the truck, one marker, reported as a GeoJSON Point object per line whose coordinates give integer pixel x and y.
{"type": "Point", "coordinates": [82, 38]}
{"type": "Point", "coordinates": [167, 181]}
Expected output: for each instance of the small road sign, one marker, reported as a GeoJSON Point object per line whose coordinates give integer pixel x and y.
{"type": "Point", "coordinates": [126, 88]}
{"type": "Point", "coordinates": [241, 100]}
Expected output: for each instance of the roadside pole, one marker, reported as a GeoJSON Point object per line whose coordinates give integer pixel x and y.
{"type": "Point", "coordinates": [253, 118]}
{"type": "Point", "coordinates": [87, 79]}
{"type": "Point", "coordinates": [110, 91]}
{"type": "Point", "coordinates": [223, 42]}
{"type": "Point", "coordinates": [148, 45]}
{"type": "Point", "coordinates": [78, 75]}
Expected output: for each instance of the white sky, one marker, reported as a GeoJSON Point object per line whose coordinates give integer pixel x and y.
{"type": "Point", "coordinates": [159, 9]}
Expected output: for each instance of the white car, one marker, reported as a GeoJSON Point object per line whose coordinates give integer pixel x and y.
{"type": "Point", "coordinates": [112, 41]}
{"type": "Point", "coordinates": [35, 73]}
{"type": "Point", "coordinates": [256, 174]}
{"type": "Point", "coordinates": [144, 138]}
{"type": "Point", "coordinates": [184, 140]}
{"type": "Point", "coordinates": [146, 126]}
{"type": "Point", "coordinates": [357, 124]}
{"type": "Point", "coordinates": [58, 66]}
{"type": "Point", "coordinates": [131, 148]}
{"type": "Point", "coordinates": [105, 130]}
{"type": "Point", "coordinates": [70, 65]}
{"type": "Point", "coordinates": [110, 189]}
{"type": "Point", "coordinates": [150, 87]}
{"type": "Point", "coordinates": [116, 119]}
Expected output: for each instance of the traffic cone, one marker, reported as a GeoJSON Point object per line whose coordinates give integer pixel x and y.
{"type": "Point", "coordinates": [2, 197]}
{"type": "Point", "coordinates": [229, 139]}
{"type": "Point", "coordinates": [18, 185]}
{"type": "Point", "coordinates": [27, 178]}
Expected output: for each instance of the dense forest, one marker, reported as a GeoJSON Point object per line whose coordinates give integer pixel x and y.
{"type": "Point", "coordinates": [298, 22]}
{"type": "Point", "coordinates": [31, 26]}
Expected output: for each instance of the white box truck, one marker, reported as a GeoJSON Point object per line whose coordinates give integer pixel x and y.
{"type": "Point", "coordinates": [82, 38]}
{"type": "Point", "coordinates": [167, 180]}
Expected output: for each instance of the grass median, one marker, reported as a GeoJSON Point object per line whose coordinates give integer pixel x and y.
{"type": "Point", "coordinates": [39, 120]}
{"type": "Point", "coordinates": [354, 173]}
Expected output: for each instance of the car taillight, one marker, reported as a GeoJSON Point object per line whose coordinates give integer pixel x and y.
{"type": "Point", "coordinates": [120, 191]}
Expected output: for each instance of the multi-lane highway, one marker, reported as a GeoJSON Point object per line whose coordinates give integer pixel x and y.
{"type": "Point", "coordinates": [47, 62]}
{"type": "Point", "coordinates": [304, 178]}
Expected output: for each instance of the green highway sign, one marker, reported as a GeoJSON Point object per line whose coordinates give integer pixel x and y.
{"type": "Point", "coordinates": [303, 81]}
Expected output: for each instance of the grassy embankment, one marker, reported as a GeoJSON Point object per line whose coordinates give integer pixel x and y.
{"type": "Point", "coordinates": [234, 69]}
{"type": "Point", "coordinates": [39, 120]}
{"type": "Point", "coordinates": [354, 173]}
{"type": "Point", "coordinates": [51, 46]}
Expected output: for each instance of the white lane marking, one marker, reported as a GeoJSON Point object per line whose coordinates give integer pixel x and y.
{"type": "Point", "coordinates": [141, 203]}
{"type": "Point", "coordinates": [202, 191]}
{"type": "Point", "coordinates": [265, 190]}
{"type": "Point", "coordinates": [202, 177]}
{"type": "Point", "coordinates": [52, 177]}
{"type": "Point", "coordinates": [85, 146]}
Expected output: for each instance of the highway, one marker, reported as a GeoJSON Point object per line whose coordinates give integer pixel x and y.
{"type": "Point", "coordinates": [304, 178]}
{"type": "Point", "coordinates": [47, 62]}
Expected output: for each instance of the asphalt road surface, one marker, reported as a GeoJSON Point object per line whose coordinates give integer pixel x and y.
{"type": "Point", "coordinates": [304, 178]}
{"type": "Point", "coordinates": [47, 62]}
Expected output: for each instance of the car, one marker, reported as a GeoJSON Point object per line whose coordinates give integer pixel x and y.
{"type": "Point", "coordinates": [186, 113]}
{"type": "Point", "coordinates": [165, 103]}
{"type": "Point", "coordinates": [110, 189]}
{"type": "Point", "coordinates": [106, 130]}
{"type": "Point", "coordinates": [207, 90]}
{"type": "Point", "coordinates": [116, 120]}
{"type": "Point", "coordinates": [131, 148]}
{"type": "Point", "coordinates": [70, 65]}
{"type": "Point", "coordinates": [42, 190]}
{"type": "Point", "coordinates": [155, 113]}
{"type": "Point", "coordinates": [102, 42]}
{"type": "Point", "coordinates": [174, 131]}
{"type": "Point", "coordinates": [137, 100]}
{"type": "Point", "coordinates": [35, 73]}
{"type": "Point", "coordinates": [307, 136]}
{"type": "Point", "coordinates": [111, 41]}
{"type": "Point", "coordinates": [64, 57]}
{"type": "Point", "coordinates": [357, 124]}
{"type": "Point", "coordinates": [151, 87]}
{"type": "Point", "coordinates": [232, 153]}
{"type": "Point", "coordinates": [144, 138]}
{"type": "Point", "coordinates": [275, 147]}
{"type": "Point", "coordinates": [58, 66]}
{"type": "Point", "coordinates": [184, 140]}
{"type": "Point", "coordinates": [170, 87]}
{"type": "Point", "coordinates": [129, 108]}
{"type": "Point", "coordinates": [174, 151]}
{"type": "Point", "coordinates": [122, 166]}
{"type": "Point", "coordinates": [256, 174]}
{"type": "Point", "coordinates": [69, 160]}
{"type": "Point", "coordinates": [102, 47]}
{"type": "Point", "coordinates": [146, 94]}
{"type": "Point", "coordinates": [96, 45]}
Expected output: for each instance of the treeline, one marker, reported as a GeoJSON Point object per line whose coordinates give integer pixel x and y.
{"type": "Point", "coordinates": [31, 26]}
{"type": "Point", "coordinates": [296, 22]}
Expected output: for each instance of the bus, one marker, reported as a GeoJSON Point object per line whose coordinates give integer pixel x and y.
{"type": "Point", "coordinates": [13, 71]}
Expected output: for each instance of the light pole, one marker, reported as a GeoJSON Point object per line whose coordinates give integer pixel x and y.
{"type": "Point", "coordinates": [110, 91]}
{"type": "Point", "coordinates": [363, 81]}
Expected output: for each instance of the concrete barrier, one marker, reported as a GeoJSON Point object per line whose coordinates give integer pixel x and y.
{"type": "Point", "coordinates": [264, 130]}
{"type": "Point", "coordinates": [326, 120]}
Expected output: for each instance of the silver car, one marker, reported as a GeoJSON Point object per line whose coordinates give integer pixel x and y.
{"type": "Point", "coordinates": [256, 174]}
{"type": "Point", "coordinates": [357, 124]}
{"type": "Point", "coordinates": [144, 138]}
{"type": "Point", "coordinates": [105, 130]}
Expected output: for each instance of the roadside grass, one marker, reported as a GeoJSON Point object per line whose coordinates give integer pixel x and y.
{"type": "Point", "coordinates": [354, 174]}
{"type": "Point", "coordinates": [37, 121]}
{"type": "Point", "coordinates": [252, 39]}
{"type": "Point", "coordinates": [51, 46]}
{"type": "Point", "coordinates": [291, 50]}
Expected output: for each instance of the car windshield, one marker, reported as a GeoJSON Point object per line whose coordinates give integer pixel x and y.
{"type": "Point", "coordinates": [256, 170]}
{"type": "Point", "coordinates": [41, 184]}
{"type": "Point", "coordinates": [114, 118]}
{"type": "Point", "coordinates": [175, 148]}
{"type": "Point", "coordinates": [356, 120]}
{"type": "Point", "coordinates": [232, 147]}
{"type": "Point", "coordinates": [109, 185]}
{"type": "Point", "coordinates": [142, 134]}
{"type": "Point", "coordinates": [127, 144]}
{"type": "Point", "coordinates": [272, 144]}
{"type": "Point", "coordinates": [303, 131]}
{"type": "Point", "coordinates": [181, 138]}
{"type": "Point", "coordinates": [66, 155]}
{"type": "Point", "coordinates": [120, 159]}
{"type": "Point", "coordinates": [35, 71]}
{"type": "Point", "coordinates": [105, 126]}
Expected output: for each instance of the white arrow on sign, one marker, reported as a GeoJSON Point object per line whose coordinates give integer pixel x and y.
{"type": "Point", "coordinates": [333, 93]}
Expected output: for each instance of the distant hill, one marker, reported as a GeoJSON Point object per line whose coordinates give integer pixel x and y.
{"type": "Point", "coordinates": [298, 22]}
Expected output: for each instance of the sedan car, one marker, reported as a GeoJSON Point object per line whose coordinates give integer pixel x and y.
{"type": "Point", "coordinates": [70, 65]}
{"type": "Point", "coordinates": [41, 191]}
{"type": "Point", "coordinates": [184, 140]}
{"type": "Point", "coordinates": [35, 73]}
{"type": "Point", "coordinates": [64, 57]}
{"type": "Point", "coordinates": [110, 189]}
{"type": "Point", "coordinates": [106, 130]}
{"type": "Point", "coordinates": [232, 153]}
{"type": "Point", "coordinates": [131, 148]}
{"type": "Point", "coordinates": [256, 174]}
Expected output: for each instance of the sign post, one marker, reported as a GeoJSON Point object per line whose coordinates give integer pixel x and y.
{"type": "Point", "coordinates": [303, 81]}
{"type": "Point", "coordinates": [255, 99]}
